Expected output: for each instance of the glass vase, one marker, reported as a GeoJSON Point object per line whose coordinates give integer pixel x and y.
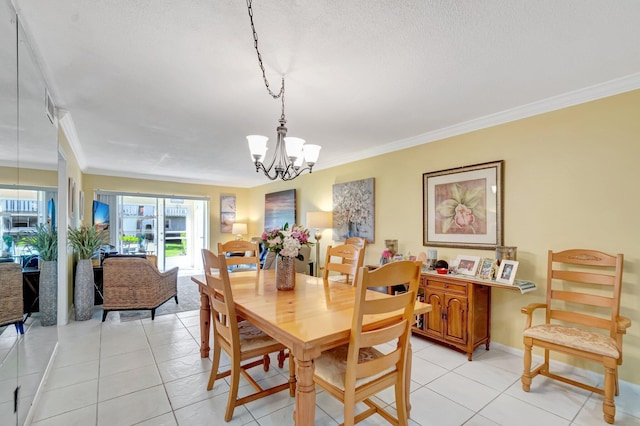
{"type": "Point", "coordinates": [285, 272]}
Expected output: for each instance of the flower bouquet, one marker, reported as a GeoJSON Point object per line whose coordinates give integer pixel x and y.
{"type": "Point", "coordinates": [286, 242]}
{"type": "Point", "coordinates": [386, 256]}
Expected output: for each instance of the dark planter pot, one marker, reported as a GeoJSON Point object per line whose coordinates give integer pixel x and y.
{"type": "Point", "coordinates": [83, 294]}
{"type": "Point", "coordinates": [48, 293]}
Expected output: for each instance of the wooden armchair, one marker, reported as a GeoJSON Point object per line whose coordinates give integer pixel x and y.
{"type": "Point", "coordinates": [582, 319]}
{"type": "Point", "coordinates": [135, 284]}
{"type": "Point", "coordinates": [11, 301]}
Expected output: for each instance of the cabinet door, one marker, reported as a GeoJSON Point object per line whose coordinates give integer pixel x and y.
{"type": "Point", "coordinates": [456, 318]}
{"type": "Point", "coordinates": [433, 323]}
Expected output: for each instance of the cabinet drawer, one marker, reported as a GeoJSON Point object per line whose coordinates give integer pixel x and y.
{"type": "Point", "coordinates": [447, 286]}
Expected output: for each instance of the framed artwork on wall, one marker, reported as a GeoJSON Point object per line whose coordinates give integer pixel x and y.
{"type": "Point", "coordinates": [353, 210]}
{"type": "Point", "coordinates": [462, 207]}
{"type": "Point", "coordinates": [81, 204]}
{"type": "Point", "coordinates": [71, 197]}
{"type": "Point", "coordinates": [227, 212]}
{"type": "Point", "coordinates": [279, 208]}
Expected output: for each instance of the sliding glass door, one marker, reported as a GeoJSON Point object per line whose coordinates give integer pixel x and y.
{"type": "Point", "coordinates": [172, 229]}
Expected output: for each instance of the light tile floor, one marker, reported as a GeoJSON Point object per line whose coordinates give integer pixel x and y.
{"type": "Point", "coordinates": [150, 373]}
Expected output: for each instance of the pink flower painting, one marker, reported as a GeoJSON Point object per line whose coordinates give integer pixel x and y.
{"type": "Point", "coordinates": [461, 207]}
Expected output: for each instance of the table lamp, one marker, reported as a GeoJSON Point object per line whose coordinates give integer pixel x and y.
{"type": "Point", "coordinates": [318, 221]}
{"type": "Point", "coordinates": [239, 229]}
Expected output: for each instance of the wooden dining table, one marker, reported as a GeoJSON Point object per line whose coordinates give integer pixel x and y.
{"type": "Point", "coordinates": [312, 318]}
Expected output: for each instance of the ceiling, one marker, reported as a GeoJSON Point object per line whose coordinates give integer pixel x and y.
{"type": "Point", "coordinates": [169, 89]}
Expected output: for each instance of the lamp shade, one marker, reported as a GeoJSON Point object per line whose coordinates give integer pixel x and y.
{"type": "Point", "coordinates": [318, 220]}
{"type": "Point", "coordinates": [239, 229]}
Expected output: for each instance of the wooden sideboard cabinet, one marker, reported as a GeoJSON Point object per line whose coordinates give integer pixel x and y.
{"type": "Point", "coordinates": [460, 314]}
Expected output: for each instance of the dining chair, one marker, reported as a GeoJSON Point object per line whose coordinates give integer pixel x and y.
{"type": "Point", "coordinates": [344, 259]}
{"type": "Point", "coordinates": [582, 319]}
{"type": "Point", "coordinates": [356, 241]}
{"type": "Point", "coordinates": [240, 252]}
{"type": "Point", "coordinates": [376, 357]}
{"type": "Point", "coordinates": [241, 340]}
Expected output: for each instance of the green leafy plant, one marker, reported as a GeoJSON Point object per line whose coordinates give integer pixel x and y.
{"type": "Point", "coordinates": [45, 241]}
{"type": "Point", "coordinates": [129, 239]}
{"type": "Point", "coordinates": [86, 240]}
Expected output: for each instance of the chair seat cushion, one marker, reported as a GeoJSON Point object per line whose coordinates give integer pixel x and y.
{"type": "Point", "coordinates": [576, 338]}
{"type": "Point", "coordinates": [331, 366]}
{"type": "Point", "coordinates": [252, 337]}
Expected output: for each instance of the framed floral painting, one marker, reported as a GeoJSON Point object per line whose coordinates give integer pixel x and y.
{"type": "Point", "coordinates": [353, 210]}
{"type": "Point", "coordinates": [462, 207]}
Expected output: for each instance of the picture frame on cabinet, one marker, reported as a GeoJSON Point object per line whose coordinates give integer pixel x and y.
{"type": "Point", "coordinates": [507, 271]}
{"type": "Point", "coordinates": [462, 207]}
{"type": "Point", "coordinates": [468, 265]}
{"type": "Point", "coordinates": [485, 271]}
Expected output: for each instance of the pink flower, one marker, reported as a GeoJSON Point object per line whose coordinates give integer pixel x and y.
{"type": "Point", "coordinates": [464, 216]}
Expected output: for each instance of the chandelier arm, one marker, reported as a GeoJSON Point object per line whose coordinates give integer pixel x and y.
{"type": "Point", "coordinates": [255, 44]}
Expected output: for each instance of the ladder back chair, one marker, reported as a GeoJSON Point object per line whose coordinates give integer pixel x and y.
{"type": "Point", "coordinates": [582, 319]}
{"type": "Point", "coordinates": [241, 252]}
{"type": "Point", "coordinates": [377, 357]}
{"type": "Point", "coordinates": [239, 339]}
{"type": "Point", "coordinates": [344, 259]}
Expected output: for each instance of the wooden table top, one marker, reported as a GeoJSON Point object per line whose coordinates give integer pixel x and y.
{"type": "Point", "coordinates": [316, 314]}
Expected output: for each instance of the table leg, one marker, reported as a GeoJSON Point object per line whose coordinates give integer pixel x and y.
{"type": "Point", "coordinates": [304, 415]}
{"type": "Point", "coordinates": [205, 321]}
{"type": "Point", "coordinates": [407, 384]}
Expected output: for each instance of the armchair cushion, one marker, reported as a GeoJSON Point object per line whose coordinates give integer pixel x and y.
{"type": "Point", "coordinates": [573, 337]}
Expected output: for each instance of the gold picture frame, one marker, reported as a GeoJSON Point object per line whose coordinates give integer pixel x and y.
{"type": "Point", "coordinates": [486, 268]}
{"type": "Point", "coordinates": [462, 207]}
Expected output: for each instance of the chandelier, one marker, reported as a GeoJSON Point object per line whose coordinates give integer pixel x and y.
{"type": "Point", "coordinates": [292, 156]}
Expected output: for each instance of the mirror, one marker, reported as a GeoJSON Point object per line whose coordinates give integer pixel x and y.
{"type": "Point", "coordinates": [8, 179]}
{"type": "Point", "coordinates": [28, 180]}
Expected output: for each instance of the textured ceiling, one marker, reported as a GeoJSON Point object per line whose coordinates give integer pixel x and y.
{"type": "Point", "coordinates": [169, 89]}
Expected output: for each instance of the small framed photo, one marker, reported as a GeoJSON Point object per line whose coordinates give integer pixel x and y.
{"type": "Point", "coordinates": [468, 265]}
{"type": "Point", "coordinates": [507, 271]}
{"type": "Point", "coordinates": [486, 268]}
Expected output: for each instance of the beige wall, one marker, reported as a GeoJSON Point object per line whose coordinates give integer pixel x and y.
{"type": "Point", "coordinates": [29, 177]}
{"type": "Point", "coordinates": [569, 182]}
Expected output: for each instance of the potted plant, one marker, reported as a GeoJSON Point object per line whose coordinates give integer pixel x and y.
{"type": "Point", "coordinates": [85, 241]}
{"type": "Point", "coordinates": [44, 240]}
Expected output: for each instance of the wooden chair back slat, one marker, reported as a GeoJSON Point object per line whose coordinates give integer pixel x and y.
{"type": "Point", "coordinates": [584, 277]}
{"type": "Point", "coordinates": [582, 298]}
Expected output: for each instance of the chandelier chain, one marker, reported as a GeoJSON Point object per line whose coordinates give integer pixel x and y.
{"type": "Point", "coordinates": [264, 76]}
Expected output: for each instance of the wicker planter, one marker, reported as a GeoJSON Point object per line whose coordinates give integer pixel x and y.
{"type": "Point", "coordinates": [83, 295]}
{"type": "Point", "coordinates": [48, 293]}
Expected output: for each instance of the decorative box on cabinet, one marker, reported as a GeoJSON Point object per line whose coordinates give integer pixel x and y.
{"type": "Point", "coordinates": [460, 314]}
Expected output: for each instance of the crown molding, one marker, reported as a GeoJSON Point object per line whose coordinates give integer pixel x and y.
{"type": "Point", "coordinates": [69, 128]}
{"type": "Point", "coordinates": [565, 100]}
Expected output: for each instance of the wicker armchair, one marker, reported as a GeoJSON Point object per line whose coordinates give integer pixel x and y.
{"type": "Point", "coordinates": [11, 303]}
{"type": "Point", "coordinates": [135, 284]}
